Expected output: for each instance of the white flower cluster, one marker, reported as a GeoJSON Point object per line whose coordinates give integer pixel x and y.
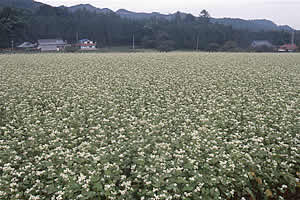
{"type": "Point", "coordinates": [148, 126]}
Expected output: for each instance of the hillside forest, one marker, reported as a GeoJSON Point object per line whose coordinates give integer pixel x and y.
{"type": "Point", "coordinates": [109, 29]}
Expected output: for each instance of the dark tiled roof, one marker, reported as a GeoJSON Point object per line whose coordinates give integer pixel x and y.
{"type": "Point", "coordinates": [289, 46]}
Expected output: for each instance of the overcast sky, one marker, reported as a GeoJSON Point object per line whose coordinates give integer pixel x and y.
{"type": "Point", "coordinates": [282, 12]}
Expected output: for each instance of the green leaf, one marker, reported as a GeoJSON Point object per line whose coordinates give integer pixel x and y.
{"type": "Point", "coordinates": [251, 193]}
{"type": "Point", "coordinates": [188, 189]}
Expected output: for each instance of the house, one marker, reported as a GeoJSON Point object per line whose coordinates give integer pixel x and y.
{"type": "Point", "coordinates": [26, 45]}
{"type": "Point", "coordinates": [288, 48]}
{"type": "Point", "coordinates": [51, 44]}
{"type": "Point", "coordinates": [261, 43]}
{"type": "Point", "coordinates": [86, 44]}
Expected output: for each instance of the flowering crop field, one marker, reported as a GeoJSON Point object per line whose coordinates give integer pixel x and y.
{"type": "Point", "coordinates": [179, 126]}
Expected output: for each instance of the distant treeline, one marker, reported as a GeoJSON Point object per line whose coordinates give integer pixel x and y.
{"type": "Point", "coordinates": [112, 30]}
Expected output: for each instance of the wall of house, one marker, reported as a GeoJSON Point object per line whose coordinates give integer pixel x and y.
{"type": "Point", "coordinates": [51, 47]}
{"type": "Point", "coordinates": [48, 47]}
{"type": "Point", "coordinates": [88, 47]}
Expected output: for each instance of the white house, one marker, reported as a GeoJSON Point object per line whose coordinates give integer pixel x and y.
{"type": "Point", "coordinates": [261, 43]}
{"type": "Point", "coordinates": [86, 44]}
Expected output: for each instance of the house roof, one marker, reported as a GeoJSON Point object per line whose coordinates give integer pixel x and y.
{"type": "Point", "coordinates": [26, 45]}
{"type": "Point", "coordinates": [289, 46]}
{"type": "Point", "coordinates": [84, 40]}
{"type": "Point", "coordinates": [51, 42]}
{"type": "Point", "coordinates": [261, 43]}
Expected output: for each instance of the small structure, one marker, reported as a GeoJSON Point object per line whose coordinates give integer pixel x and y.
{"type": "Point", "coordinates": [86, 44]}
{"type": "Point", "coordinates": [26, 45]}
{"type": "Point", "coordinates": [51, 44]}
{"type": "Point", "coordinates": [261, 43]}
{"type": "Point", "coordinates": [288, 48]}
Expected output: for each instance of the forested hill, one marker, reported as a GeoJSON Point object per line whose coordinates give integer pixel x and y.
{"type": "Point", "coordinates": [251, 25]}
{"type": "Point", "coordinates": [25, 4]}
{"type": "Point", "coordinates": [89, 8]}
{"type": "Point", "coordinates": [29, 21]}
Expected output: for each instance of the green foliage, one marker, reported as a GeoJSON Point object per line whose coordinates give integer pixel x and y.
{"type": "Point", "coordinates": [71, 49]}
{"type": "Point", "coordinates": [166, 45]}
{"type": "Point", "coordinates": [12, 23]}
{"type": "Point", "coordinates": [23, 4]}
{"type": "Point", "coordinates": [231, 46]}
{"type": "Point", "coordinates": [213, 47]}
{"type": "Point", "coordinates": [111, 30]}
{"type": "Point", "coordinates": [149, 126]}
{"type": "Point", "coordinates": [204, 16]}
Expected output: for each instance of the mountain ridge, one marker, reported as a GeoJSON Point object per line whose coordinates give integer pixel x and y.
{"type": "Point", "coordinates": [90, 8]}
{"type": "Point", "coordinates": [23, 4]}
{"type": "Point", "coordinates": [236, 23]}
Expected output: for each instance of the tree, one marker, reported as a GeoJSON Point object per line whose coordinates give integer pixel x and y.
{"type": "Point", "coordinates": [12, 26]}
{"type": "Point", "coordinates": [230, 46]}
{"type": "Point", "coordinates": [166, 46]}
{"type": "Point", "coordinates": [189, 18]}
{"type": "Point", "coordinates": [181, 32]}
{"type": "Point", "coordinates": [177, 17]}
{"type": "Point", "coordinates": [204, 13]}
{"type": "Point", "coordinates": [213, 47]}
{"type": "Point", "coordinates": [204, 16]}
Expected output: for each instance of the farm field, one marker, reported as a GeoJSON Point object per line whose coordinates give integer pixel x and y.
{"type": "Point", "coordinates": [179, 126]}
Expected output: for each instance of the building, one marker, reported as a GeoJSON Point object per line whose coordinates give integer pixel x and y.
{"type": "Point", "coordinates": [261, 43]}
{"type": "Point", "coordinates": [86, 44]}
{"type": "Point", "coordinates": [26, 45]}
{"type": "Point", "coordinates": [288, 48]}
{"type": "Point", "coordinates": [51, 44]}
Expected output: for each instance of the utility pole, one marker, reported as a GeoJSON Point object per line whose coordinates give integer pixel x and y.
{"type": "Point", "coordinates": [12, 45]}
{"type": "Point", "coordinates": [293, 38]}
{"type": "Point", "coordinates": [197, 47]}
{"type": "Point", "coordinates": [133, 42]}
{"type": "Point", "coordinates": [77, 38]}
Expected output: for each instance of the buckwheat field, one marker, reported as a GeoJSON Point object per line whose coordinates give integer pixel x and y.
{"type": "Point", "coordinates": [179, 126]}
